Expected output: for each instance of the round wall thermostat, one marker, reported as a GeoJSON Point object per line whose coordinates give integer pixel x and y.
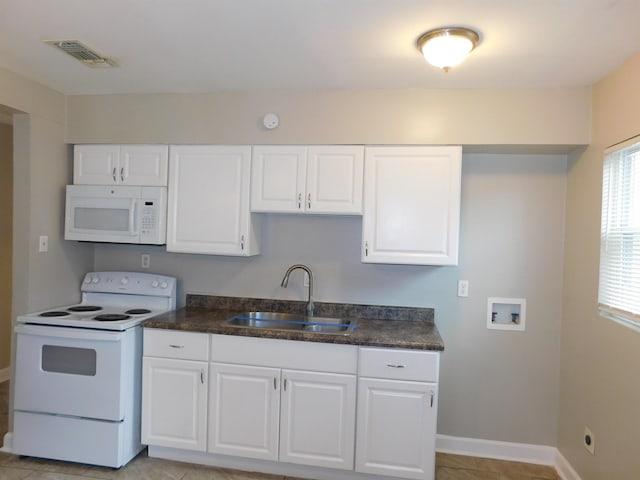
{"type": "Point", "coordinates": [271, 121]}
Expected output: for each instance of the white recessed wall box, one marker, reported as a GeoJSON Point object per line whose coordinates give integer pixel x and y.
{"type": "Point", "coordinates": [506, 313]}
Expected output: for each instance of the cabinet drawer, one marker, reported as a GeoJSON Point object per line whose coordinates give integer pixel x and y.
{"type": "Point", "coordinates": [175, 344]}
{"type": "Point", "coordinates": [396, 364]}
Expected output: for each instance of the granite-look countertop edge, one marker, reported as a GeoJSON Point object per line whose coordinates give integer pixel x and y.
{"type": "Point", "coordinates": [405, 327]}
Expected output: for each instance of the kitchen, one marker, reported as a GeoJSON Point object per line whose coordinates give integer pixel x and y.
{"type": "Point", "coordinates": [520, 248]}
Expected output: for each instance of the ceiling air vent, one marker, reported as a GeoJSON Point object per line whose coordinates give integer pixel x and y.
{"type": "Point", "coordinates": [83, 53]}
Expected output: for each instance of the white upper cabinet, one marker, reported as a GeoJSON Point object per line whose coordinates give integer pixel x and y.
{"type": "Point", "coordinates": [317, 179]}
{"type": "Point", "coordinates": [411, 205]}
{"type": "Point", "coordinates": [208, 209]}
{"type": "Point", "coordinates": [120, 165]}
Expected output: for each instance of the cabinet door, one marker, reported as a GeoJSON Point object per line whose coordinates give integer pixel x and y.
{"type": "Point", "coordinates": [334, 179]}
{"type": "Point", "coordinates": [317, 424]}
{"type": "Point", "coordinates": [244, 407]}
{"type": "Point", "coordinates": [411, 205]}
{"type": "Point", "coordinates": [174, 402]}
{"type": "Point", "coordinates": [143, 165]}
{"type": "Point", "coordinates": [96, 164]}
{"type": "Point", "coordinates": [208, 209]}
{"type": "Point", "coordinates": [396, 428]}
{"type": "Point", "coordinates": [278, 176]}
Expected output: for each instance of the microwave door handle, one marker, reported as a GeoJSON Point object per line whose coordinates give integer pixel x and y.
{"type": "Point", "coordinates": [132, 216]}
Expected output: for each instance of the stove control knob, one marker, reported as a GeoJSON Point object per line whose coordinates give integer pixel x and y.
{"type": "Point", "coordinates": [164, 285]}
{"type": "Point", "coordinates": [95, 279]}
{"type": "Point", "coordinates": [154, 284]}
{"type": "Point", "coordinates": [124, 280]}
{"type": "Point", "coordinates": [87, 279]}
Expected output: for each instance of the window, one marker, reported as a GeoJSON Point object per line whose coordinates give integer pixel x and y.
{"type": "Point", "coordinates": [619, 289]}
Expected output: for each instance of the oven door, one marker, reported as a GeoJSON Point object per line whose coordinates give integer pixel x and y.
{"type": "Point", "coordinates": [70, 371]}
{"type": "Point", "coordinates": [102, 214]}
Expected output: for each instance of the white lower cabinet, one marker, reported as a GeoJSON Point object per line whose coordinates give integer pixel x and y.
{"type": "Point", "coordinates": [244, 403]}
{"type": "Point", "coordinates": [290, 402]}
{"type": "Point", "coordinates": [174, 389]}
{"type": "Point", "coordinates": [396, 414]}
{"type": "Point", "coordinates": [287, 415]}
{"type": "Point", "coordinates": [396, 428]}
{"type": "Point", "coordinates": [317, 419]}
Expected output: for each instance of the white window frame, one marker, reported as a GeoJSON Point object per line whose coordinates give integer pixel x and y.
{"type": "Point", "coordinates": [619, 280]}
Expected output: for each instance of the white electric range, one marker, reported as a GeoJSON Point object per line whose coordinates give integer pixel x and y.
{"type": "Point", "coordinates": [79, 368]}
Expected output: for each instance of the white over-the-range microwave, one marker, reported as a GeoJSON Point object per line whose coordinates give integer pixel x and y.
{"type": "Point", "coordinates": [116, 214]}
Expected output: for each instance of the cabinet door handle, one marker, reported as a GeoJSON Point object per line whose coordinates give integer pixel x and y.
{"type": "Point", "coordinates": [395, 365]}
{"type": "Point", "coordinates": [201, 377]}
{"type": "Point", "coordinates": [176, 346]}
{"type": "Point", "coordinates": [113, 174]}
{"type": "Point", "coordinates": [242, 243]}
{"type": "Point", "coordinates": [299, 201]}
{"type": "Point", "coordinates": [285, 384]}
{"type": "Point", "coordinates": [275, 383]}
{"type": "Point", "coordinates": [122, 174]}
{"type": "Point", "coordinates": [366, 249]}
{"type": "Point", "coordinates": [309, 201]}
{"type": "Point", "coordinates": [431, 399]}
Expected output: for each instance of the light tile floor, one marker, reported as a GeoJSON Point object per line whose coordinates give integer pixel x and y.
{"type": "Point", "coordinates": [448, 467]}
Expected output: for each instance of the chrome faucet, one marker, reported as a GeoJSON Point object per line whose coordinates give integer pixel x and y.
{"type": "Point", "coordinates": [285, 282]}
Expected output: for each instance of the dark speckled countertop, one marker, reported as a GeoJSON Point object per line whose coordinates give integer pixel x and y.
{"type": "Point", "coordinates": [380, 326]}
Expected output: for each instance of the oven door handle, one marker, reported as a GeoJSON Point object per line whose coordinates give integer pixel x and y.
{"type": "Point", "coordinates": [69, 333]}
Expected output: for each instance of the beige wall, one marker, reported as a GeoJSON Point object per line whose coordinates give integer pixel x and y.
{"type": "Point", "coordinates": [6, 218]}
{"type": "Point", "coordinates": [459, 117]}
{"type": "Point", "coordinates": [41, 169]}
{"type": "Point", "coordinates": [599, 378]}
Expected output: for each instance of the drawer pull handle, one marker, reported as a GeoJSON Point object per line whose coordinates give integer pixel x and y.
{"type": "Point", "coordinates": [395, 365]}
{"type": "Point", "coordinates": [176, 346]}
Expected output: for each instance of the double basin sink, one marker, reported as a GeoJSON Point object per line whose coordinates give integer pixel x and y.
{"type": "Point", "coordinates": [291, 322]}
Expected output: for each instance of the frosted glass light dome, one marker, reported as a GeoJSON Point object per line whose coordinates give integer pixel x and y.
{"type": "Point", "coordinates": [447, 47]}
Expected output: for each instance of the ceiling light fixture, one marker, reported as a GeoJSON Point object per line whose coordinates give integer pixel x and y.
{"type": "Point", "coordinates": [447, 47]}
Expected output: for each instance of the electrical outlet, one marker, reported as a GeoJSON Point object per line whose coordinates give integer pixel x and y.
{"type": "Point", "coordinates": [43, 243]}
{"type": "Point", "coordinates": [145, 260]}
{"type": "Point", "coordinates": [589, 440]}
{"type": "Point", "coordinates": [463, 288]}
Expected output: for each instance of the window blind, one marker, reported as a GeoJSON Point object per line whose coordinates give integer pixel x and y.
{"type": "Point", "coordinates": [619, 285]}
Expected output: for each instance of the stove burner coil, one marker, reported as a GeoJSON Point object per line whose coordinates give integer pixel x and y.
{"type": "Point", "coordinates": [84, 308]}
{"type": "Point", "coordinates": [138, 311]}
{"type": "Point", "coordinates": [54, 313]}
{"type": "Point", "coordinates": [111, 317]}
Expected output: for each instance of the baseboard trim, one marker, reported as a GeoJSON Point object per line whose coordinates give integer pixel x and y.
{"type": "Point", "coordinates": [514, 452]}
{"type": "Point", "coordinates": [5, 374]}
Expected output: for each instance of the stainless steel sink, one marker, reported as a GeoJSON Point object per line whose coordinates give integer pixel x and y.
{"type": "Point", "coordinates": [290, 321]}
